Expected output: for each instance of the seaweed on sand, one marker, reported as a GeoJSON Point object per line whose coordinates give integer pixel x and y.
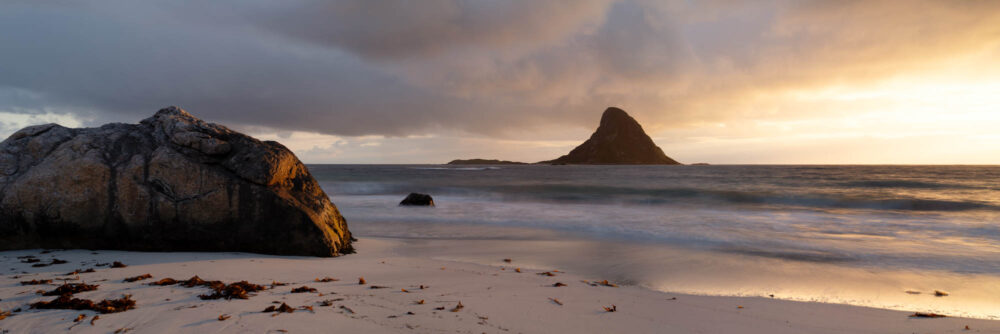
{"type": "Point", "coordinates": [36, 282]}
{"type": "Point", "coordinates": [303, 289]}
{"type": "Point", "coordinates": [69, 289]}
{"type": "Point", "coordinates": [165, 281]}
{"type": "Point", "coordinates": [284, 308]}
{"type": "Point", "coordinates": [138, 278]}
{"type": "Point", "coordinates": [66, 302]}
{"type": "Point", "coordinates": [239, 290]}
{"type": "Point", "coordinates": [80, 271]}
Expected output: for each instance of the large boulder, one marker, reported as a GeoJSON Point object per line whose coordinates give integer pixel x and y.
{"type": "Point", "coordinates": [170, 183]}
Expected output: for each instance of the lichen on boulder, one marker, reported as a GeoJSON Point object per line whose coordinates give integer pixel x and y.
{"type": "Point", "coordinates": [170, 183]}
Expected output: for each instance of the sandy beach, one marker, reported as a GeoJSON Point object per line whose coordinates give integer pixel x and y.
{"type": "Point", "coordinates": [498, 298]}
{"type": "Point", "coordinates": [478, 166]}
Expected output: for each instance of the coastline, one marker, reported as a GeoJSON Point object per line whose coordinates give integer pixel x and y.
{"type": "Point", "coordinates": [496, 298]}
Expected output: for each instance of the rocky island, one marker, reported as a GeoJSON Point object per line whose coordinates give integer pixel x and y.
{"type": "Point", "coordinates": [484, 162]}
{"type": "Point", "coordinates": [170, 183]}
{"type": "Point", "coordinates": [618, 140]}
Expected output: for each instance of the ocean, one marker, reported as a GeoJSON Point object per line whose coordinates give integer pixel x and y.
{"type": "Point", "coordinates": [881, 236]}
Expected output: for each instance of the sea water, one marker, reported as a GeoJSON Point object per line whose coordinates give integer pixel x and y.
{"type": "Point", "coordinates": [881, 236]}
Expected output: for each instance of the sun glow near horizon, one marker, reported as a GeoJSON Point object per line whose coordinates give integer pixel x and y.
{"type": "Point", "coordinates": [945, 117]}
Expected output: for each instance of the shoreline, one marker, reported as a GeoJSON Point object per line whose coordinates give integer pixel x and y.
{"type": "Point", "coordinates": [709, 271]}
{"type": "Point", "coordinates": [496, 298]}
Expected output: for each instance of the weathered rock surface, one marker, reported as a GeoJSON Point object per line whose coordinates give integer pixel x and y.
{"type": "Point", "coordinates": [618, 140]}
{"type": "Point", "coordinates": [484, 162]}
{"type": "Point", "coordinates": [416, 199]}
{"type": "Point", "coordinates": [170, 183]}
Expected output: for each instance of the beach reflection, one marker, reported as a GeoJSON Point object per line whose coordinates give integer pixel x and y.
{"type": "Point", "coordinates": [725, 273]}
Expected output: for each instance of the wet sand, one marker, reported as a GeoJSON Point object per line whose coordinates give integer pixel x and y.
{"type": "Point", "coordinates": [495, 298]}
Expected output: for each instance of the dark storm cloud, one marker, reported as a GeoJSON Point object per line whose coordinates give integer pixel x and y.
{"type": "Point", "coordinates": [122, 60]}
{"type": "Point", "coordinates": [403, 29]}
{"type": "Point", "coordinates": [487, 67]}
{"type": "Point", "coordinates": [131, 60]}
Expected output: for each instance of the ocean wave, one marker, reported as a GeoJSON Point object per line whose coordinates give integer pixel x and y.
{"type": "Point", "coordinates": [564, 193]}
{"type": "Point", "coordinates": [923, 217]}
{"type": "Point", "coordinates": [910, 184]}
{"type": "Point", "coordinates": [794, 255]}
{"type": "Point", "coordinates": [582, 194]}
{"type": "Point", "coordinates": [892, 188]}
{"type": "Point", "coordinates": [663, 196]}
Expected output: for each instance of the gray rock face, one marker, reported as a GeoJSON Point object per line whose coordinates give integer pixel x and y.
{"type": "Point", "coordinates": [618, 140]}
{"type": "Point", "coordinates": [170, 183]}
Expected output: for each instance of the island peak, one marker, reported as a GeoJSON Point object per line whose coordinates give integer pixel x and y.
{"type": "Point", "coordinates": [619, 139]}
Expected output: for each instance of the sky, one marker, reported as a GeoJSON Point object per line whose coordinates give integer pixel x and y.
{"type": "Point", "coordinates": [358, 81]}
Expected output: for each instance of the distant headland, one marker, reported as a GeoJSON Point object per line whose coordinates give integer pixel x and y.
{"type": "Point", "coordinates": [484, 162]}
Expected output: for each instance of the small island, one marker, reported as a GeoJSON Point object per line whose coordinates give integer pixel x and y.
{"type": "Point", "coordinates": [618, 140]}
{"type": "Point", "coordinates": [484, 162]}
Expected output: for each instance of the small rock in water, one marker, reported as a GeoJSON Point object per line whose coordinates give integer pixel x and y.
{"type": "Point", "coordinates": [927, 315]}
{"type": "Point", "coordinates": [415, 199]}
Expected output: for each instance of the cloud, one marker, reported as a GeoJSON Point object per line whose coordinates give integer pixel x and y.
{"type": "Point", "coordinates": [540, 71]}
{"type": "Point", "coordinates": [10, 122]}
{"type": "Point", "coordinates": [405, 29]}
